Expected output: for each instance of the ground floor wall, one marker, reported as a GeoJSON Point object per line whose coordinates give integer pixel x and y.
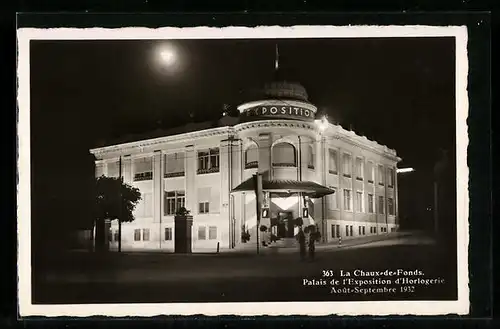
{"type": "Point", "coordinates": [226, 230]}
{"type": "Point", "coordinates": [208, 233]}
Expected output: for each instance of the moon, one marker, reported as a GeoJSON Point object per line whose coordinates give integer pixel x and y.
{"type": "Point", "coordinates": [167, 57]}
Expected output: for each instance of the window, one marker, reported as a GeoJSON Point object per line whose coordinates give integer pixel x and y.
{"type": "Point", "coordinates": [391, 177]}
{"type": "Point", "coordinates": [350, 230]}
{"type": "Point", "coordinates": [168, 233]}
{"type": "Point", "coordinates": [359, 230]}
{"type": "Point", "coordinates": [335, 231]}
{"type": "Point", "coordinates": [114, 169]}
{"type": "Point", "coordinates": [212, 232]}
{"type": "Point", "coordinates": [143, 169]}
{"type": "Point", "coordinates": [347, 165]}
{"type": "Point", "coordinates": [375, 229]}
{"type": "Point", "coordinates": [145, 234]}
{"type": "Point", "coordinates": [359, 168]}
{"type": "Point", "coordinates": [202, 233]}
{"type": "Point", "coordinates": [99, 170]}
{"type": "Point", "coordinates": [252, 157]}
{"type": "Point", "coordinates": [173, 201]}
{"type": "Point", "coordinates": [381, 175]}
{"type": "Point", "coordinates": [208, 200]}
{"type": "Point", "coordinates": [137, 235]}
{"type": "Point", "coordinates": [363, 230]}
{"type": "Point", "coordinates": [145, 206]}
{"type": "Point", "coordinates": [359, 201]}
{"type": "Point", "coordinates": [332, 202]}
{"type": "Point", "coordinates": [204, 207]}
{"type": "Point", "coordinates": [371, 171]}
{"type": "Point", "coordinates": [390, 206]}
{"type": "Point", "coordinates": [347, 230]}
{"type": "Point", "coordinates": [110, 235]}
{"type": "Point", "coordinates": [116, 236]}
{"type": "Point", "coordinates": [380, 204]}
{"type": "Point", "coordinates": [208, 161]}
{"type": "Point", "coordinates": [284, 155]}
{"type": "Point", "coordinates": [174, 165]}
{"type": "Point", "coordinates": [370, 203]}
{"type": "Point", "coordinates": [311, 157]}
{"type": "Point", "coordinates": [347, 199]}
{"type": "Point", "coordinates": [332, 161]}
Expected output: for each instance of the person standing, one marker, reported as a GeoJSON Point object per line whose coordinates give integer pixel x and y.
{"type": "Point", "coordinates": [301, 238]}
{"type": "Point", "coordinates": [312, 242]}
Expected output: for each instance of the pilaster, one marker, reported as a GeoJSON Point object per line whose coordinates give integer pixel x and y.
{"type": "Point", "coordinates": [303, 160]}
{"type": "Point", "coordinates": [190, 172]}
{"type": "Point", "coordinates": [320, 165]}
{"type": "Point", "coordinates": [264, 143]}
{"type": "Point", "coordinates": [157, 186]}
{"type": "Point", "coordinates": [127, 169]}
{"type": "Point", "coordinates": [225, 176]}
{"type": "Point", "coordinates": [236, 179]}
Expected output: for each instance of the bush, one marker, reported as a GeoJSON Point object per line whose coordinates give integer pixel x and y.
{"type": "Point", "coordinates": [182, 211]}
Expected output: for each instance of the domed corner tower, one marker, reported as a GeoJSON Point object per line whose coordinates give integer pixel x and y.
{"type": "Point", "coordinates": [279, 99]}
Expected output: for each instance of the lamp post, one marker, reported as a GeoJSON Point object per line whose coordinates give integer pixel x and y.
{"type": "Point", "coordinates": [322, 125]}
{"type": "Point", "coordinates": [258, 200]}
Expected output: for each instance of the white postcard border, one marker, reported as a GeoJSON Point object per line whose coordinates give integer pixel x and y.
{"type": "Point", "coordinates": [27, 308]}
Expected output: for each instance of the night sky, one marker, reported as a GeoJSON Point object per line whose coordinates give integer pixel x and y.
{"type": "Point", "coordinates": [399, 92]}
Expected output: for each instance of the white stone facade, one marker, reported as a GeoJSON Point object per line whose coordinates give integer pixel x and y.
{"type": "Point", "coordinates": [210, 163]}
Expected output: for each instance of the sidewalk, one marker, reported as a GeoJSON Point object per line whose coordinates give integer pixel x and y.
{"type": "Point", "coordinates": [332, 246]}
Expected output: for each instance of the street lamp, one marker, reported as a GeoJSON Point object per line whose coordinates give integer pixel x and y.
{"type": "Point", "coordinates": [322, 124]}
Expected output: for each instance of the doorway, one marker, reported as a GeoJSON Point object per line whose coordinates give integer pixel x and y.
{"type": "Point", "coordinates": [285, 224]}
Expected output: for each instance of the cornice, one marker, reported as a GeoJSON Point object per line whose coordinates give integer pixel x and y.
{"type": "Point", "coordinates": [333, 131]}
{"type": "Point", "coordinates": [274, 123]}
{"type": "Point", "coordinates": [139, 145]}
{"type": "Point", "coordinates": [363, 142]}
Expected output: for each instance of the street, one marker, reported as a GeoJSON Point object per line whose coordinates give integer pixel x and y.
{"type": "Point", "coordinates": [226, 277]}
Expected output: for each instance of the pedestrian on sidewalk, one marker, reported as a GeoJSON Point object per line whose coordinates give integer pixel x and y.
{"type": "Point", "coordinates": [301, 238]}
{"type": "Point", "coordinates": [313, 236]}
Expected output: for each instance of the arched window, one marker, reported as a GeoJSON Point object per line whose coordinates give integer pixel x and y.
{"type": "Point", "coordinates": [252, 157]}
{"type": "Point", "coordinates": [311, 157]}
{"type": "Point", "coordinates": [284, 155]}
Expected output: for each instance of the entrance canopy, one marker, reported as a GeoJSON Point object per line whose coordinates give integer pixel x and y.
{"type": "Point", "coordinates": [311, 189]}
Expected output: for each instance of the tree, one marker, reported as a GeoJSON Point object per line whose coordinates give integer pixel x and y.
{"type": "Point", "coordinates": [115, 200]}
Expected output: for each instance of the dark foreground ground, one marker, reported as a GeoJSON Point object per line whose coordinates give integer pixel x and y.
{"type": "Point", "coordinates": [235, 277]}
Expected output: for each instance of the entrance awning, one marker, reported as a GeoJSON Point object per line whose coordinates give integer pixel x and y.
{"type": "Point", "coordinates": [311, 189]}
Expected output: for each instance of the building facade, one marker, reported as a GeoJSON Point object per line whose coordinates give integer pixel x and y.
{"type": "Point", "coordinates": [278, 136]}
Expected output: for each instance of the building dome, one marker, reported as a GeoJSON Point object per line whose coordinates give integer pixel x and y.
{"type": "Point", "coordinates": [281, 98]}
{"type": "Point", "coordinates": [285, 90]}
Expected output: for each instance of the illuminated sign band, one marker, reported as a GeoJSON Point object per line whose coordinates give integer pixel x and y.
{"type": "Point", "coordinates": [281, 111]}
